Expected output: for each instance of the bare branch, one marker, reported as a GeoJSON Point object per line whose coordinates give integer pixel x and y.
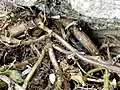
{"type": "Point", "coordinates": [53, 59]}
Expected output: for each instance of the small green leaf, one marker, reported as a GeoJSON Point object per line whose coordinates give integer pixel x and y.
{"type": "Point", "coordinates": [14, 75]}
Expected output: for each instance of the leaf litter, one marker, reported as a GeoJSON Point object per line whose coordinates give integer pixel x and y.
{"type": "Point", "coordinates": [61, 54]}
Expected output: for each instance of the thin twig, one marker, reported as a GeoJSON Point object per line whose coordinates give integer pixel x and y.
{"type": "Point", "coordinates": [110, 45]}
{"type": "Point", "coordinates": [95, 80]}
{"type": "Point", "coordinates": [61, 49]}
{"type": "Point", "coordinates": [19, 65]}
{"type": "Point", "coordinates": [22, 42]}
{"type": "Point", "coordinates": [108, 51]}
{"type": "Point", "coordinates": [53, 59]}
{"type": "Point", "coordinates": [27, 79]}
{"type": "Point", "coordinates": [35, 49]}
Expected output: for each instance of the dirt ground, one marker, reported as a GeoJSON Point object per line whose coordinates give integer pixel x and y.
{"type": "Point", "coordinates": [50, 49]}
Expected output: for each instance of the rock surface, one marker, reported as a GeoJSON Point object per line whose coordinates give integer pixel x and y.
{"type": "Point", "coordinates": [104, 14]}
